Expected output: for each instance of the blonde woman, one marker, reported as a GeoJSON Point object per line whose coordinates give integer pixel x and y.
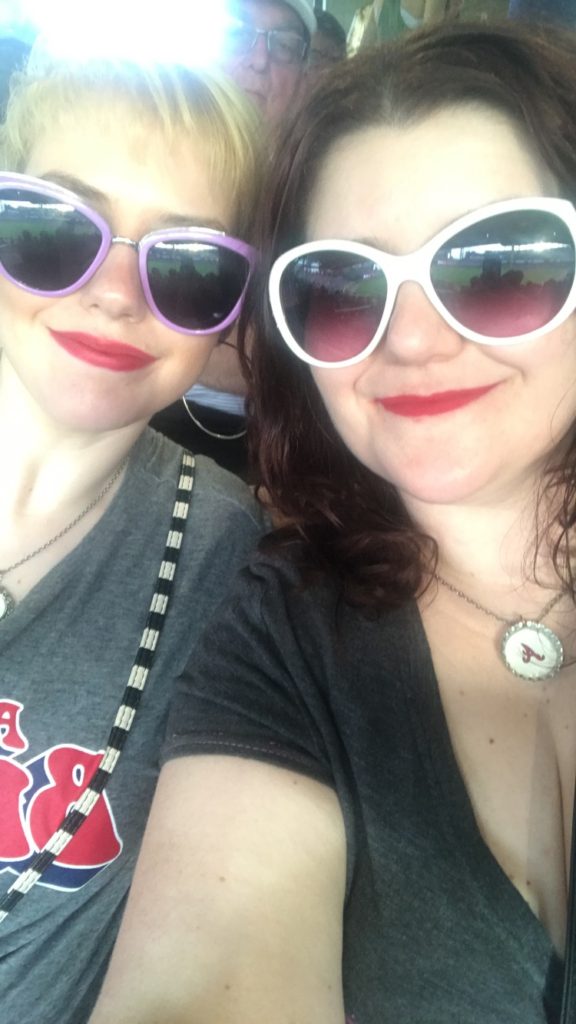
{"type": "Point", "coordinates": [124, 201]}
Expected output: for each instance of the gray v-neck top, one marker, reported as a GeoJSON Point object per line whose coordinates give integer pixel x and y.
{"type": "Point", "coordinates": [434, 931]}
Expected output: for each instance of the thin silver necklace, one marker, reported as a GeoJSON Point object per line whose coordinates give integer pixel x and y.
{"type": "Point", "coordinates": [205, 430]}
{"type": "Point", "coordinates": [7, 600]}
{"type": "Point", "coordinates": [528, 648]}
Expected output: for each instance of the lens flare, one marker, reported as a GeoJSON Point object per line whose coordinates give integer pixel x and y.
{"type": "Point", "coordinates": [187, 32]}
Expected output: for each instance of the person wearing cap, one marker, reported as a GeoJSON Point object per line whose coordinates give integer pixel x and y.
{"type": "Point", "coordinates": [266, 51]}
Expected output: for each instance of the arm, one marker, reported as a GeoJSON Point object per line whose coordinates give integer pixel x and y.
{"type": "Point", "coordinates": [235, 913]}
{"type": "Point", "coordinates": [223, 371]}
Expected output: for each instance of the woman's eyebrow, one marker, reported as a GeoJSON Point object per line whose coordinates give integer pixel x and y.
{"type": "Point", "coordinates": [93, 195]}
{"type": "Point", "coordinates": [73, 184]}
{"type": "Point", "coordinates": [177, 220]}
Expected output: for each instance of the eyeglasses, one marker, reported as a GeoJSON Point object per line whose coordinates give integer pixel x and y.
{"type": "Point", "coordinates": [51, 243]}
{"type": "Point", "coordinates": [499, 276]}
{"type": "Point", "coordinates": [284, 45]}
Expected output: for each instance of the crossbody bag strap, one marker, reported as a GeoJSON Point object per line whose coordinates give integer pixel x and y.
{"type": "Point", "coordinates": [129, 703]}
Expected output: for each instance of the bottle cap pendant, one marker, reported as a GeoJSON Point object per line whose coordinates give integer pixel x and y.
{"type": "Point", "coordinates": [532, 651]}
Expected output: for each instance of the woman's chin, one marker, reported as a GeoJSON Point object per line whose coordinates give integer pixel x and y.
{"type": "Point", "coordinates": [436, 484]}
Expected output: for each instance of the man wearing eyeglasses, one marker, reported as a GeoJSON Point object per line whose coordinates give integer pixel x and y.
{"type": "Point", "coordinates": [266, 51]}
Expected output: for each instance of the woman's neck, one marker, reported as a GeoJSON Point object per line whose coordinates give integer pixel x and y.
{"type": "Point", "coordinates": [46, 466]}
{"type": "Point", "coordinates": [55, 485]}
{"type": "Point", "coordinates": [489, 547]}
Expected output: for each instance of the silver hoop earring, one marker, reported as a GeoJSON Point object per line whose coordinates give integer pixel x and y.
{"type": "Point", "coordinates": [211, 433]}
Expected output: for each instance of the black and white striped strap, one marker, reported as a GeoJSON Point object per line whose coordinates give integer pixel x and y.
{"type": "Point", "coordinates": [129, 704]}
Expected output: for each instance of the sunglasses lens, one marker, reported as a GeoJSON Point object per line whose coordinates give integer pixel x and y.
{"type": "Point", "coordinates": [195, 285]}
{"type": "Point", "coordinates": [508, 275]}
{"type": "Point", "coordinates": [45, 244]}
{"type": "Point", "coordinates": [333, 303]}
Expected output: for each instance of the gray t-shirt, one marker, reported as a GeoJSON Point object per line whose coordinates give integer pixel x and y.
{"type": "Point", "coordinates": [434, 931]}
{"type": "Point", "coordinates": [65, 656]}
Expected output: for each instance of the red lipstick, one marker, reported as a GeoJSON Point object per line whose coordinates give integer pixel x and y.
{"type": "Point", "coordinates": [432, 405]}
{"type": "Point", "coordinates": [103, 352]}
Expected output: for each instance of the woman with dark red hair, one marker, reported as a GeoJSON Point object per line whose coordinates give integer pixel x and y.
{"type": "Point", "coordinates": [368, 809]}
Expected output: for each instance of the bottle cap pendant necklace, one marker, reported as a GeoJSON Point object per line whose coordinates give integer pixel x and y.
{"type": "Point", "coordinates": [7, 601]}
{"type": "Point", "coordinates": [529, 649]}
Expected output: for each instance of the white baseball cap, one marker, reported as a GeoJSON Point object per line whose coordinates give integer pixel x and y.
{"type": "Point", "coordinates": [305, 11]}
{"type": "Point", "coordinates": [303, 8]}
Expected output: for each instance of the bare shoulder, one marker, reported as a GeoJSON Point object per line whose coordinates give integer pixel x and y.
{"type": "Point", "coordinates": [235, 913]}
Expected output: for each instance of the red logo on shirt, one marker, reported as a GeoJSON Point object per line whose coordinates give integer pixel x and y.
{"type": "Point", "coordinates": [34, 798]}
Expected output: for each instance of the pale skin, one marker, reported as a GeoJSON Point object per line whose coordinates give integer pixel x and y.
{"type": "Point", "coordinates": [228, 921]}
{"type": "Point", "coordinates": [70, 425]}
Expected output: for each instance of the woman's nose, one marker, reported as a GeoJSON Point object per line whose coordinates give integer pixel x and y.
{"type": "Point", "coordinates": [116, 289]}
{"type": "Point", "coordinates": [416, 332]}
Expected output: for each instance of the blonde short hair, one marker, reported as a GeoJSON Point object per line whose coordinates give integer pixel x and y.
{"type": "Point", "coordinates": [175, 100]}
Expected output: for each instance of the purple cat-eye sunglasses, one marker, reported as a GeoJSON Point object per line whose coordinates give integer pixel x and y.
{"type": "Point", "coordinates": [51, 243]}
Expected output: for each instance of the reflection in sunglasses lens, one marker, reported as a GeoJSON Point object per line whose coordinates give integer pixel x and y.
{"type": "Point", "coordinates": [195, 285]}
{"type": "Point", "coordinates": [333, 303]}
{"type": "Point", "coordinates": [507, 275]}
{"type": "Point", "coordinates": [44, 244]}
